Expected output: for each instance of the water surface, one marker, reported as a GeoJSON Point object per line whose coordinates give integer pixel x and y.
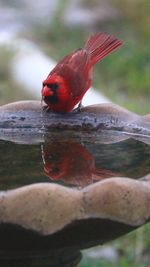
{"type": "Point", "coordinates": [71, 162]}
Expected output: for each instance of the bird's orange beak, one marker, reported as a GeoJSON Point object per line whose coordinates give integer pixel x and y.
{"type": "Point", "coordinates": [46, 91]}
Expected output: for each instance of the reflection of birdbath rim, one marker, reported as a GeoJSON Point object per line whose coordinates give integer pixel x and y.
{"type": "Point", "coordinates": [62, 219]}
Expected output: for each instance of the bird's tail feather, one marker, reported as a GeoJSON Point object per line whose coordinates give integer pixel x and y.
{"type": "Point", "coordinates": [99, 45]}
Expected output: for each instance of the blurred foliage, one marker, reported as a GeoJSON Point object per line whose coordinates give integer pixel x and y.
{"type": "Point", "coordinates": [133, 250]}
{"type": "Point", "coordinates": [124, 76]}
{"type": "Point", "coordinates": [137, 12]}
{"type": "Point", "coordinates": [58, 45]}
{"type": "Point", "coordinates": [9, 89]}
{"type": "Point", "coordinates": [5, 56]}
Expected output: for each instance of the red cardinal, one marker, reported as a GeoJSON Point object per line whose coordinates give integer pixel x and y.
{"type": "Point", "coordinates": [67, 83]}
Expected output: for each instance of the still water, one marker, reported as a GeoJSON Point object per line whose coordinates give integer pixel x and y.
{"type": "Point", "coordinates": [70, 162]}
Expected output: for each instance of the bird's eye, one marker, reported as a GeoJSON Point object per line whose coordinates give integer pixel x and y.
{"type": "Point", "coordinates": [53, 86]}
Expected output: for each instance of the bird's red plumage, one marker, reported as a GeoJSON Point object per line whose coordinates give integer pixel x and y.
{"type": "Point", "coordinates": [67, 83]}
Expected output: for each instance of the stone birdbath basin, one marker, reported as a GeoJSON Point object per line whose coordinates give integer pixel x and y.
{"type": "Point", "coordinates": [70, 181]}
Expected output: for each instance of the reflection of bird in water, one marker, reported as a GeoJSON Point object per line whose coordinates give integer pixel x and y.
{"type": "Point", "coordinates": [71, 162]}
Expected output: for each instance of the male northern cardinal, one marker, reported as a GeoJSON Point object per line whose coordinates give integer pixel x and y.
{"type": "Point", "coordinates": [67, 83]}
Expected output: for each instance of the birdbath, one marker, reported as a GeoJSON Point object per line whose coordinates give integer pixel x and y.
{"type": "Point", "coordinates": [70, 181]}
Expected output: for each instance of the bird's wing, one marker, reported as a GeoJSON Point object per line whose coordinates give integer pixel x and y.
{"type": "Point", "coordinates": [74, 68]}
{"type": "Point", "coordinates": [65, 60]}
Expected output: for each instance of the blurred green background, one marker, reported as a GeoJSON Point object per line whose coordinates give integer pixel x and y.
{"type": "Point", "coordinates": [124, 77]}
